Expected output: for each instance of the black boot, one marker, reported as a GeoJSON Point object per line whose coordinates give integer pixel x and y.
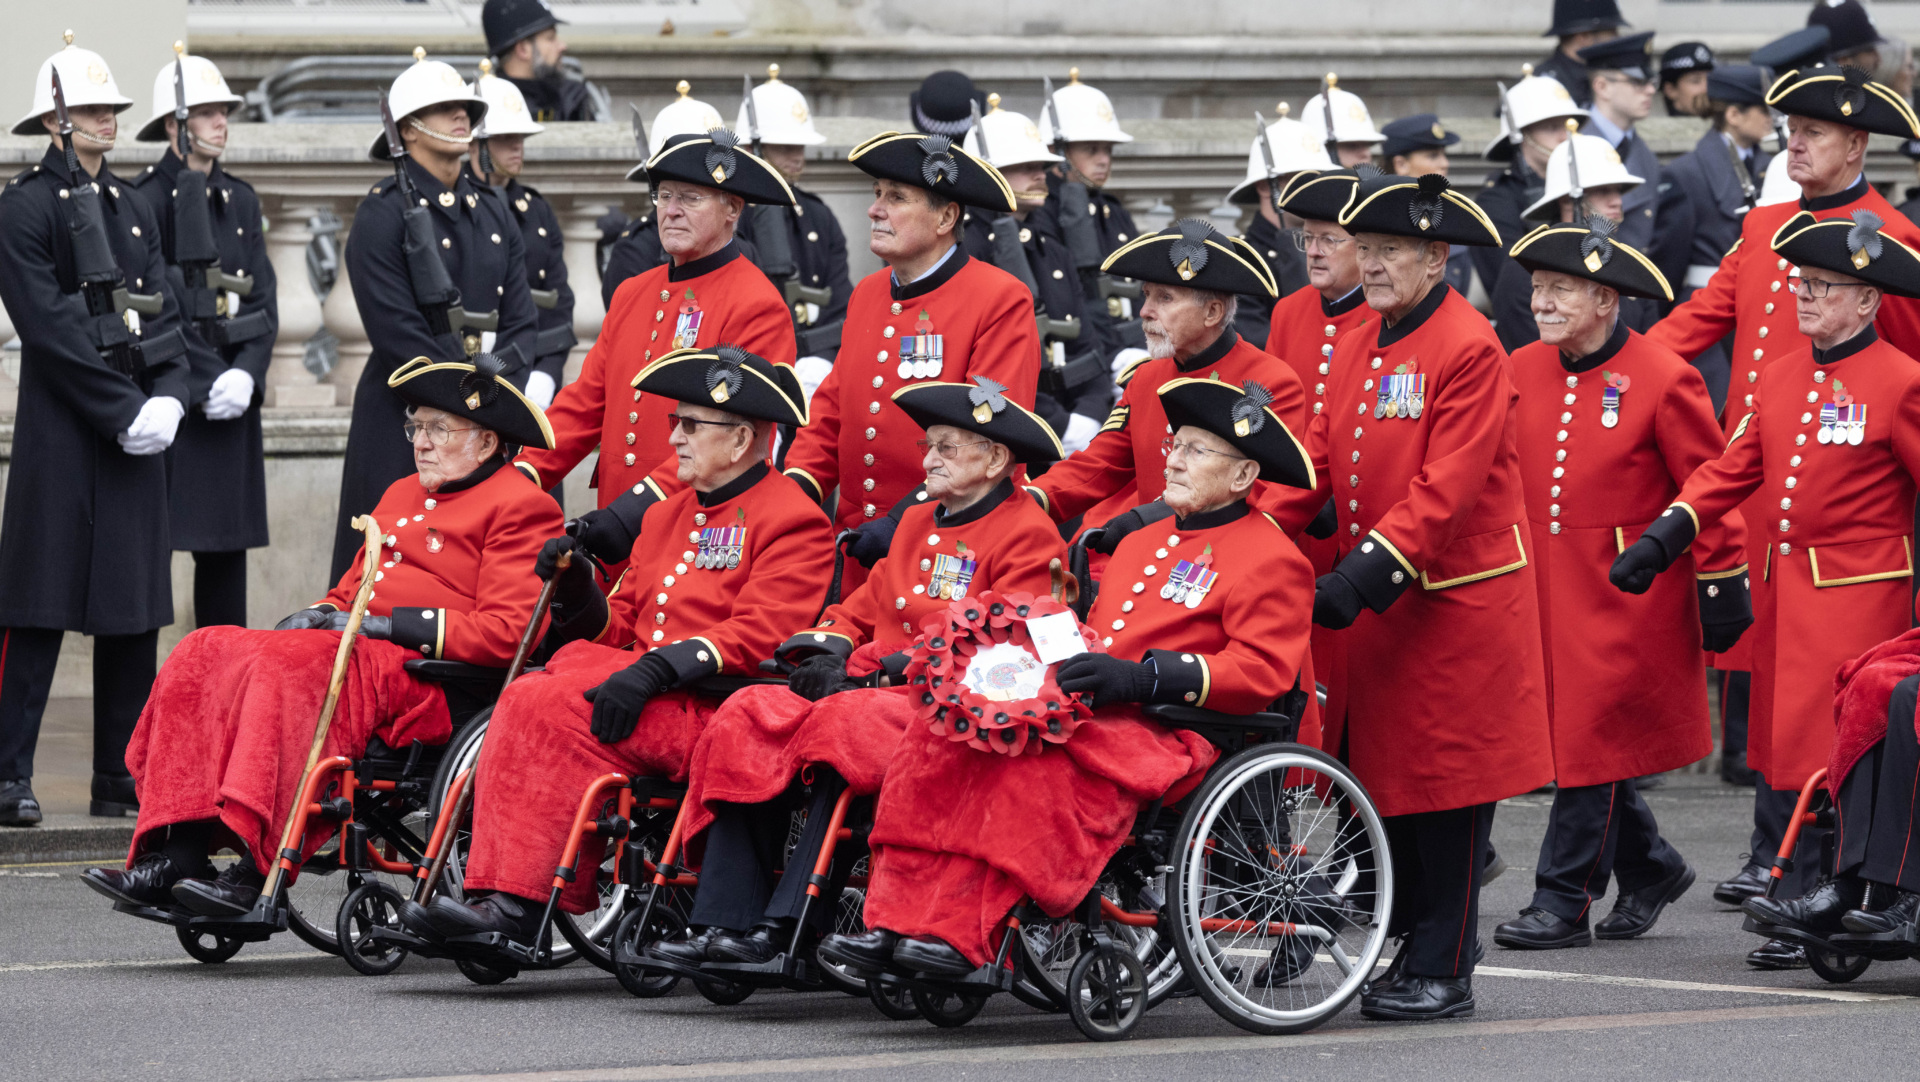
{"type": "Point", "coordinates": [1291, 958]}
{"type": "Point", "coordinates": [18, 806]}
{"type": "Point", "coordinates": [754, 948]}
{"type": "Point", "coordinates": [1778, 954]}
{"type": "Point", "coordinates": [517, 918]}
{"type": "Point", "coordinates": [149, 882]}
{"type": "Point", "coordinates": [113, 796]}
{"type": "Point", "coordinates": [1634, 912]}
{"type": "Point", "coordinates": [1817, 914]}
{"type": "Point", "coordinates": [1538, 929]}
{"type": "Point", "coordinates": [690, 950]}
{"type": "Point", "coordinates": [1892, 919]}
{"type": "Point", "coordinates": [931, 956]}
{"type": "Point", "coordinates": [1419, 999]}
{"type": "Point", "coordinates": [1751, 882]}
{"type": "Point", "coordinates": [233, 894]}
{"type": "Point", "coordinates": [869, 951]}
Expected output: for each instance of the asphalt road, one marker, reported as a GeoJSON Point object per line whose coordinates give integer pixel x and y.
{"type": "Point", "coordinates": [91, 995]}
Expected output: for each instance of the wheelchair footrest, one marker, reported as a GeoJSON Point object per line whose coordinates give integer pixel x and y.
{"type": "Point", "coordinates": [154, 913]}
{"type": "Point", "coordinates": [1879, 946]}
{"type": "Point", "coordinates": [1781, 931]}
{"type": "Point", "coordinates": [495, 947]}
{"type": "Point", "coordinates": [780, 971]}
{"type": "Point", "coordinates": [986, 980]}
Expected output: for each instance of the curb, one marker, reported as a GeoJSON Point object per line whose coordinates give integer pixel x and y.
{"type": "Point", "coordinates": [66, 838]}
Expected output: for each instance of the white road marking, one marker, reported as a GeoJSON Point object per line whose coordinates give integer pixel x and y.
{"type": "Point", "coordinates": [1838, 995]}
{"type": "Point", "coordinates": [258, 956]}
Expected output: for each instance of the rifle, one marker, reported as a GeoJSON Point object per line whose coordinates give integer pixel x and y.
{"type": "Point", "coordinates": [195, 253]}
{"type": "Point", "coordinates": [639, 132]}
{"type": "Point", "coordinates": [1506, 116]}
{"type": "Point", "coordinates": [1574, 189]}
{"type": "Point", "coordinates": [1076, 203]}
{"type": "Point", "coordinates": [1008, 254]}
{"type": "Point", "coordinates": [480, 137]}
{"type": "Point", "coordinates": [102, 283]}
{"type": "Point", "coordinates": [1266, 155]}
{"type": "Point", "coordinates": [433, 290]}
{"type": "Point", "coordinates": [1326, 112]}
{"type": "Point", "coordinates": [773, 230]}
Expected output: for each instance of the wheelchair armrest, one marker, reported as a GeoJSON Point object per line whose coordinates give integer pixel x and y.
{"type": "Point", "coordinates": [719, 687]}
{"type": "Point", "coordinates": [442, 671]}
{"type": "Point", "coordinates": [1213, 724]}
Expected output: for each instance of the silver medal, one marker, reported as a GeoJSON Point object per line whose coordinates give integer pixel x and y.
{"type": "Point", "coordinates": [733, 559]}
{"type": "Point", "coordinates": [1826, 434]}
{"type": "Point", "coordinates": [1609, 418]}
{"type": "Point", "coordinates": [1856, 433]}
{"type": "Point", "coordinates": [905, 370]}
{"type": "Point", "coordinates": [1415, 406]}
{"type": "Point", "coordinates": [1193, 600]}
{"type": "Point", "coordinates": [1166, 592]}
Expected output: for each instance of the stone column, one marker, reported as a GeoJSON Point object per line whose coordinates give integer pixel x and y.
{"type": "Point", "coordinates": [343, 319]}
{"type": "Point", "coordinates": [577, 219]}
{"type": "Point", "coordinates": [289, 384]}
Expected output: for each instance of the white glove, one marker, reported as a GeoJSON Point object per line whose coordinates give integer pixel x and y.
{"type": "Point", "coordinates": [540, 388]}
{"type": "Point", "coordinates": [812, 372]}
{"type": "Point", "coordinates": [1126, 359]}
{"type": "Point", "coordinates": [1081, 430]}
{"type": "Point", "coordinates": [152, 430]}
{"type": "Point", "coordinates": [231, 395]}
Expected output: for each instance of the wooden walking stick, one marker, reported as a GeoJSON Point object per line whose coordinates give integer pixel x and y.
{"type": "Point", "coordinates": [297, 815]}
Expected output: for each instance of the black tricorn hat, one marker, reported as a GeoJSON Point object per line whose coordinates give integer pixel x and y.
{"type": "Point", "coordinates": [728, 378]}
{"type": "Point", "coordinates": [1192, 253]}
{"type": "Point", "coordinates": [1844, 96]}
{"type": "Point", "coordinates": [1426, 208]}
{"type": "Point", "coordinates": [477, 391]}
{"type": "Point", "coordinates": [1853, 246]}
{"type": "Point", "coordinates": [1244, 417]}
{"type": "Point", "coordinates": [1319, 195]}
{"type": "Point", "coordinates": [1589, 251]}
{"type": "Point", "coordinates": [983, 408]}
{"type": "Point", "coordinates": [938, 164]}
{"type": "Point", "coordinates": [720, 160]}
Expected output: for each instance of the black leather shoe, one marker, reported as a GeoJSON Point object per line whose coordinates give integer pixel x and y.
{"type": "Point", "coordinates": [149, 882]}
{"type": "Point", "coordinates": [869, 951]}
{"type": "Point", "coordinates": [1735, 771]}
{"type": "Point", "coordinates": [1886, 921]}
{"type": "Point", "coordinates": [1495, 867]}
{"type": "Point", "coordinates": [415, 918]}
{"type": "Point", "coordinates": [517, 918]}
{"type": "Point", "coordinates": [1634, 913]}
{"type": "Point", "coordinates": [1778, 954]}
{"type": "Point", "coordinates": [690, 951]}
{"type": "Point", "coordinates": [233, 894]}
{"type": "Point", "coordinates": [931, 956]}
{"type": "Point", "coordinates": [113, 796]}
{"type": "Point", "coordinates": [1750, 883]}
{"type": "Point", "coordinates": [1419, 999]}
{"type": "Point", "coordinates": [1536, 929]}
{"type": "Point", "coordinates": [1817, 914]}
{"type": "Point", "coordinates": [18, 806]}
{"type": "Point", "coordinates": [757, 946]}
{"type": "Point", "coordinates": [1291, 958]}
{"type": "Point", "coordinates": [1391, 973]}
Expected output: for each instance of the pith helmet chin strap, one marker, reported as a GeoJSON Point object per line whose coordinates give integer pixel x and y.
{"type": "Point", "coordinates": [458, 140]}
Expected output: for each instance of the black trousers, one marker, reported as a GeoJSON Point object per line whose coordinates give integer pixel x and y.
{"type": "Point", "coordinates": [1596, 833]}
{"type": "Point", "coordinates": [1772, 809]}
{"type": "Point", "coordinates": [1875, 836]}
{"type": "Point", "coordinates": [220, 588]}
{"type": "Point", "coordinates": [737, 886]}
{"type": "Point", "coordinates": [123, 667]}
{"type": "Point", "coordinates": [1438, 858]}
{"type": "Point", "coordinates": [1736, 690]}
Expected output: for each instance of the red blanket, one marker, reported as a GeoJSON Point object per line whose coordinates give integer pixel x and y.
{"type": "Point", "coordinates": [215, 742]}
{"type": "Point", "coordinates": [1861, 689]}
{"type": "Point", "coordinates": [959, 835]}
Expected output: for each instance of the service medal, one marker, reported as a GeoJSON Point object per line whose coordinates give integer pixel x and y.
{"type": "Point", "coordinates": [905, 370]}
{"type": "Point", "coordinates": [1416, 392]}
{"type": "Point", "coordinates": [1202, 582]}
{"type": "Point", "coordinates": [1610, 407]}
{"type": "Point", "coordinates": [686, 326]}
{"type": "Point", "coordinates": [1856, 425]}
{"type": "Point", "coordinates": [1829, 417]}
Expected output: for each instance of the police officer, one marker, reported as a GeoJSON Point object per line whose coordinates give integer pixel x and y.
{"type": "Point", "coordinates": [217, 469]}
{"type": "Point", "coordinates": [523, 36]}
{"type": "Point", "coordinates": [1281, 151]}
{"type": "Point", "coordinates": [1856, 42]}
{"type": "Point", "coordinates": [1417, 145]}
{"type": "Point", "coordinates": [499, 155]}
{"type": "Point", "coordinates": [1622, 85]}
{"type": "Point", "coordinates": [1076, 346]}
{"type": "Point", "coordinates": [479, 247]}
{"type": "Point", "coordinates": [1683, 78]}
{"type": "Point", "coordinates": [84, 543]}
{"type": "Point", "coordinates": [1578, 24]}
{"type": "Point", "coordinates": [1533, 115]}
{"type": "Point", "coordinates": [1706, 192]}
{"type": "Point", "coordinates": [1352, 138]}
{"type": "Point", "coordinates": [1911, 207]}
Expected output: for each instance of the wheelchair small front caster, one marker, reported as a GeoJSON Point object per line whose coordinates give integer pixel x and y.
{"type": "Point", "coordinates": [630, 938]}
{"type": "Point", "coordinates": [486, 972]}
{"type": "Point", "coordinates": [1106, 993]}
{"type": "Point", "coordinates": [948, 1010]}
{"type": "Point", "coordinates": [893, 1000]}
{"type": "Point", "coordinates": [368, 907]}
{"type": "Point", "coordinates": [724, 993]}
{"type": "Point", "coordinates": [1836, 968]}
{"type": "Point", "coordinates": [208, 947]}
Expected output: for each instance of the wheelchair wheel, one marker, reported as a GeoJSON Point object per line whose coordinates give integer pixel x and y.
{"type": "Point", "coordinates": [463, 751]}
{"type": "Point", "coordinates": [205, 946]}
{"type": "Point", "coordinates": [894, 1001]}
{"type": "Point", "coordinates": [317, 895]}
{"type": "Point", "coordinates": [1280, 846]}
{"type": "Point", "coordinates": [486, 972]}
{"type": "Point", "coordinates": [724, 993]}
{"type": "Point", "coordinates": [369, 906]}
{"type": "Point", "coordinates": [1836, 968]}
{"type": "Point", "coordinates": [630, 937]}
{"type": "Point", "coordinates": [948, 1010]}
{"type": "Point", "coordinates": [1107, 993]}
{"type": "Point", "coordinates": [1049, 948]}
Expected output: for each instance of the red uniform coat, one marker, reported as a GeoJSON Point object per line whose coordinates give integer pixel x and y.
{"type": "Point", "coordinates": [540, 755]}
{"type": "Point", "coordinates": [1836, 576]}
{"type": "Point", "coordinates": [1045, 825]}
{"type": "Point", "coordinates": [722, 299]}
{"type": "Point", "coordinates": [1626, 676]}
{"type": "Point", "coordinates": [1442, 696]}
{"type": "Point", "coordinates": [1749, 298]}
{"type": "Point", "coordinates": [856, 438]}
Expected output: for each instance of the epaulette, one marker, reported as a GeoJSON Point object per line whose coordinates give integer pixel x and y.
{"type": "Point", "coordinates": [24, 174]}
{"type": "Point", "coordinates": [380, 186]}
{"type": "Point", "coordinates": [532, 191]}
{"type": "Point", "coordinates": [1127, 372]}
{"type": "Point", "coordinates": [236, 181]}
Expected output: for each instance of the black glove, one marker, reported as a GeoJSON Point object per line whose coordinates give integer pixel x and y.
{"type": "Point", "coordinates": [820, 676]}
{"type": "Point", "coordinates": [1719, 638]}
{"type": "Point", "coordinates": [1120, 525]}
{"type": "Point", "coordinates": [305, 620]}
{"type": "Point", "coordinates": [609, 532]}
{"type": "Point", "coordinates": [1336, 604]}
{"type": "Point", "coordinates": [617, 702]}
{"type": "Point", "coordinates": [1324, 523]}
{"type": "Point", "coordinates": [1726, 611]}
{"type": "Point", "coordinates": [1107, 679]}
{"type": "Point", "coordinates": [575, 588]}
{"type": "Point", "coordinates": [893, 667]}
{"type": "Point", "coordinates": [871, 540]}
{"type": "Point", "coordinates": [1633, 572]}
{"type": "Point", "coordinates": [373, 627]}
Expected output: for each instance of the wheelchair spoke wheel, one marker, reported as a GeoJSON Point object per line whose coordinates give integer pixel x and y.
{"type": "Point", "coordinates": [1281, 888]}
{"type": "Point", "coordinates": [1836, 968]}
{"type": "Point", "coordinates": [631, 936]}
{"type": "Point", "coordinates": [847, 920]}
{"type": "Point", "coordinates": [948, 1010]}
{"type": "Point", "coordinates": [1107, 993]}
{"type": "Point", "coordinates": [893, 1000]}
{"type": "Point", "coordinates": [724, 993]}
{"type": "Point", "coordinates": [368, 907]}
{"type": "Point", "coordinates": [317, 894]}
{"type": "Point", "coordinates": [486, 972]}
{"type": "Point", "coordinates": [205, 946]}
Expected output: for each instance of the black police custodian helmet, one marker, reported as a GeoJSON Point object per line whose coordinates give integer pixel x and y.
{"type": "Point", "coordinates": [1319, 195]}
{"type": "Point", "coordinates": [477, 391]}
{"type": "Point", "coordinates": [1844, 96]}
{"type": "Point", "coordinates": [1241, 414]}
{"type": "Point", "coordinates": [1572, 17]}
{"type": "Point", "coordinates": [1192, 253]}
{"type": "Point", "coordinates": [1589, 251]}
{"type": "Point", "coordinates": [1849, 24]}
{"type": "Point", "coordinates": [1853, 246]}
{"type": "Point", "coordinates": [985, 409]}
{"type": "Point", "coordinates": [1421, 131]}
{"type": "Point", "coordinates": [943, 105]}
{"type": "Point", "coordinates": [508, 22]}
{"type": "Point", "coordinates": [718, 160]}
{"type": "Point", "coordinates": [938, 164]}
{"type": "Point", "coordinates": [728, 378]}
{"type": "Point", "coordinates": [1426, 208]}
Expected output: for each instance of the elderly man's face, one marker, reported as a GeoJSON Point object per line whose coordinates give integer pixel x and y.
{"type": "Point", "coordinates": [1569, 309]}
{"type": "Point", "coordinates": [1205, 472]}
{"type": "Point", "coordinates": [1832, 307]}
{"type": "Point", "coordinates": [1821, 154]}
{"type": "Point", "coordinates": [447, 447]}
{"type": "Point", "coordinates": [1177, 321]}
{"type": "Point", "coordinates": [902, 225]}
{"type": "Point", "coordinates": [1331, 262]}
{"type": "Point", "coordinates": [961, 465]}
{"type": "Point", "coordinates": [708, 443]}
{"type": "Point", "coordinates": [1397, 271]}
{"type": "Point", "coordinates": [694, 221]}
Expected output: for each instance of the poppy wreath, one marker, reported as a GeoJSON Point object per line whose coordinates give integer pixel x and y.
{"type": "Point", "coordinates": [949, 642]}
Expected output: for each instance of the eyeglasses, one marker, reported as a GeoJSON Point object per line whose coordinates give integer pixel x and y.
{"type": "Point", "coordinates": [1169, 445]}
{"type": "Point", "coordinates": [1622, 77]}
{"type": "Point", "coordinates": [1327, 243]}
{"type": "Point", "coordinates": [438, 432]}
{"type": "Point", "coordinates": [688, 201]}
{"type": "Point", "coordinates": [946, 448]}
{"type": "Point", "coordinates": [691, 425]}
{"type": "Point", "coordinates": [1816, 288]}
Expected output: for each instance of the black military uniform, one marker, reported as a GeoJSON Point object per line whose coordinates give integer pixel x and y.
{"type": "Point", "coordinates": [509, 22]}
{"type": "Point", "coordinates": [481, 247]}
{"type": "Point", "coordinates": [1509, 286]}
{"type": "Point", "coordinates": [1572, 17]}
{"type": "Point", "coordinates": [820, 262]}
{"type": "Point", "coordinates": [217, 469]}
{"type": "Point", "coordinates": [546, 277]}
{"type": "Point", "coordinates": [84, 545]}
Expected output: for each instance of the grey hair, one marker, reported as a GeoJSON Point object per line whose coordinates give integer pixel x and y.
{"type": "Point", "coordinates": [1230, 300]}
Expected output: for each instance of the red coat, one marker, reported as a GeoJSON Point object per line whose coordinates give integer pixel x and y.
{"type": "Point", "coordinates": [456, 571]}
{"type": "Point", "coordinates": [721, 300]}
{"type": "Point", "coordinates": [856, 438]}
{"type": "Point", "coordinates": [1442, 695]}
{"type": "Point", "coordinates": [1626, 676]}
{"type": "Point", "coordinates": [1837, 574]}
